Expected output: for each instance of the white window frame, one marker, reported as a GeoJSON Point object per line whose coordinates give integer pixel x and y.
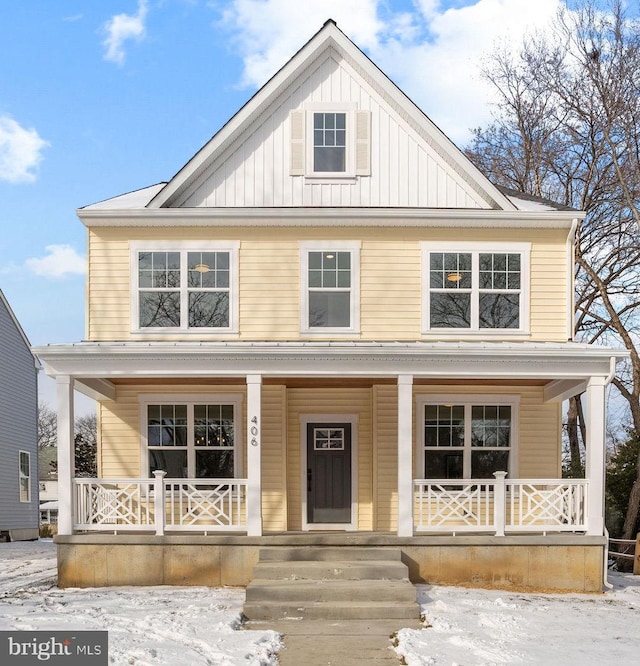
{"type": "Point", "coordinates": [349, 109]}
{"type": "Point", "coordinates": [184, 247]}
{"type": "Point", "coordinates": [22, 477]}
{"type": "Point", "coordinates": [354, 302]}
{"type": "Point", "coordinates": [475, 249]}
{"type": "Point", "coordinates": [468, 401]}
{"type": "Point", "coordinates": [190, 400]}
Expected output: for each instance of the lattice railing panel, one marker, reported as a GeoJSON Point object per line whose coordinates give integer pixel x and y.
{"type": "Point", "coordinates": [559, 506]}
{"type": "Point", "coordinates": [217, 504]}
{"type": "Point", "coordinates": [454, 506]}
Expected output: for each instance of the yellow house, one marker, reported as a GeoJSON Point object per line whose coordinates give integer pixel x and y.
{"type": "Point", "coordinates": [329, 328]}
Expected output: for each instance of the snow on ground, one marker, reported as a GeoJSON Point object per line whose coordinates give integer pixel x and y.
{"type": "Point", "coordinates": [174, 626]}
{"type": "Point", "coordinates": [486, 627]}
{"type": "Point", "coordinates": [193, 626]}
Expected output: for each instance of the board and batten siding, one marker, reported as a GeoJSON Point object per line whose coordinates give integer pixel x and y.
{"type": "Point", "coordinates": [405, 170]}
{"type": "Point", "coordinates": [18, 427]}
{"type": "Point", "coordinates": [269, 276]}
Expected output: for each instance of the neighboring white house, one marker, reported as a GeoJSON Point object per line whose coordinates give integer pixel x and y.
{"type": "Point", "coordinates": [48, 484]}
{"type": "Point", "coordinates": [19, 514]}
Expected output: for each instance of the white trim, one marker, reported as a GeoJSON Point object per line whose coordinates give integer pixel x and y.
{"type": "Point", "coordinates": [235, 399]}
{"type": "Point", "coordinates": [232, 247]}
{"type": "Point", "coordinates": [309, 216]}
{"type": "Point", "coordinates": [353, 420]}
{"type": "Point", "coordinates": [29, 477]}
{"type": "Point", "coordinates": [475, 249]}
{"type": "Point", "coordinates": [468, 400]}
{"type": "Point", "coordinates": [354, 312]}
{"type": "Point", "coordinates": [349, 109]}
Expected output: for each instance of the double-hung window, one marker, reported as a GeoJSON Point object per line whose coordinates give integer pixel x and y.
{"type": "Point", "coordinates": [330, 141]}
{"type": "Point", "coordinates": [194, 438]}
{"type": "Point", "coordinates": [184, 287]}
{"type": "Point", "coordinates": [480, 287]}
{"type": "Point", "coordinates": [330, 286]}
{"type": "Point", "coordinates": [466, 438]}
{"type": "Point", "coordinates": [24, 475]}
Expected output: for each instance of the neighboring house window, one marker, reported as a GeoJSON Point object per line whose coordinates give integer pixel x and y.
{"type": "Point", "coordinates": [192, 439]}
{"type": "Point", "coordinates": [326, 141]}
{"type": "Point", "coordinates": [330, 287]}
{"type": "Point", "coordinates": [476, 289]}
{"type": "Point", "coordinates": [184, 288]}
{"type": "Point", "coordinates": [329, 142]}
{"type": "Point", "coordinates": [24, 476]}
{"type": "Point", "coordinates": [466, 439]}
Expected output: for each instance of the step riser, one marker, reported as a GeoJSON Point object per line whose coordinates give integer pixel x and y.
{"type": "Point", "coordinates": [371, 591]}
{"type": "Point", "coordinates": [330, 571]}
{"type": "Point", "coordinates": [314, 554]}
{"type": "Point", "coordinates": [332, 583]}
{"type": "Point", "coordinates": [329, 612]}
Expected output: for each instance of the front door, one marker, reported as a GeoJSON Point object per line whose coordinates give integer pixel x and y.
{"type": "Point", "coordinates": [329, 473]}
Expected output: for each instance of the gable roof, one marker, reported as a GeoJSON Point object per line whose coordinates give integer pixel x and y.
{"type": "Point", "coordinates": [12, 316]}
{"type": "Point", "coordinates": [329, 37]}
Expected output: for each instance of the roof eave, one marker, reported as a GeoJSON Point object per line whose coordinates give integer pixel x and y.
{"type": "Point", "coordinates": [336, 216]}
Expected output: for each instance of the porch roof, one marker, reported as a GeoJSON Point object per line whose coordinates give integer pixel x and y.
{"type": "Point", "coordinates": [566, 367]}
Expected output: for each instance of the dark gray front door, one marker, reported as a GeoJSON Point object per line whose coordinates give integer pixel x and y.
{"type": "Point", "coordinates": [329, 473]}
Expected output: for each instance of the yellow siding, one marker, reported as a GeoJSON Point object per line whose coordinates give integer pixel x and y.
{"type": "Point", "coordinates": [274, 462]}
{"type": "Point", "coordinates": [390, 278]}
{"type": "Point", "coordinates": [120, 426]}
{"type": "Point", "coordinates": [346, 401]}
{"type": "Point", "coordinates": [386, 457]}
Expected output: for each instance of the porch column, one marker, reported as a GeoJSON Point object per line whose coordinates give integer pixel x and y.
{"type": "Point", "coordinates": [66, 453]}
{"type": "Point", "coordinates": [595, 454]}
{"type": "Point", "coordinates": [405, 455]}
{"type": "Point", "coordinates": [254, 445]}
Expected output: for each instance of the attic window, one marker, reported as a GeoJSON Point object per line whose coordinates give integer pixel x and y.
{"type": "Point", "coordinates": [330, 141]}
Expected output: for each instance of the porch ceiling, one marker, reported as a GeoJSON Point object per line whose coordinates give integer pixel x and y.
{"type": "Point", "coordinates": [564, 368]}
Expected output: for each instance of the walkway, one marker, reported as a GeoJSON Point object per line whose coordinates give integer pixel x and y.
{"type": "Point", "coordinates": [336, 642]}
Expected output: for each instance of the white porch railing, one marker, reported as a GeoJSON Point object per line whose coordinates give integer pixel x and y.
{"type": "Point", "coordinates": [159, 504]}
{"type": "Point", "coordinates": [517, 505]}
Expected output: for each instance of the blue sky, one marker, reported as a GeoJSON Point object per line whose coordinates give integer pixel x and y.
{"type": "Point", "coordinates": [101, 98]}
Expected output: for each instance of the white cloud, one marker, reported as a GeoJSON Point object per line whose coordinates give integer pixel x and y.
{"type": "Point", "coordinates": [433, 53]}
{"type": "Point", "coordinates": [60, 261]}
{"type": "Point", "coordinates": [121, 28]}
{"type": "Point", "coordinates": [20, 151]}
{"type": "Point", "coordinates": [269, 32]}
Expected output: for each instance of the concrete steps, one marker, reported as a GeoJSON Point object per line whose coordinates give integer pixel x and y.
{"type": "Point", "coordinates": [330, 584]}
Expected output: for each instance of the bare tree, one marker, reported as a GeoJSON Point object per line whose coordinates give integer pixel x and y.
{"type": "Point", "coordinates": [567, 128]}
{"type": "Point", "coordinates": [47, 427]}
{"type": "Point", "coordinates": [85, 439]}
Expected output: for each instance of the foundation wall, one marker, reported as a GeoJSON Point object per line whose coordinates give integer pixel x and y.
{"type": "Point", "coordinates": [571, 564]}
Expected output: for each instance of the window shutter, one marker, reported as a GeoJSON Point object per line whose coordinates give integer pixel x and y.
{"type": "Point", "coordinates": [363, 143]}
{"type": "Point", "coordinates": [296, 153]}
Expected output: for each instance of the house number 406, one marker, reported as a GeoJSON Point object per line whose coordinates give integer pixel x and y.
{"type": "Point", "coordinates": [254, 431]}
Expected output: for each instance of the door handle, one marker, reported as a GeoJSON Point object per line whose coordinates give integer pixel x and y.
{"type": "Point", "coordinates": [309, 474]}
